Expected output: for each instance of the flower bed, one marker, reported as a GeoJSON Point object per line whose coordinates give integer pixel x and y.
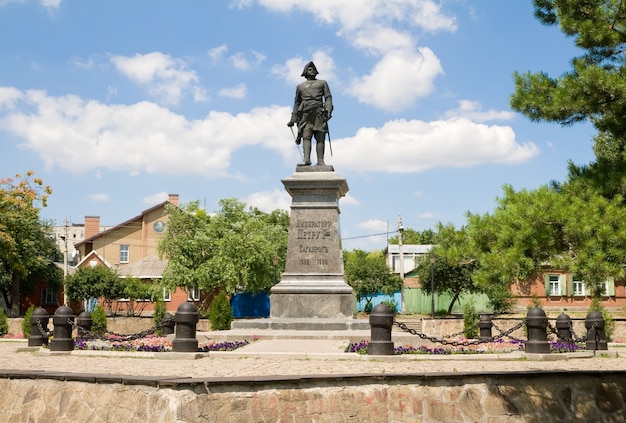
{"type": "Point", "coordinates": [462, 346]}
{"type": "Point", "coordinates": [148, 344]}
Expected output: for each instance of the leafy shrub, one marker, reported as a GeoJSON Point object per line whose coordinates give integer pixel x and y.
{"type": "Point", "coordinates": [4, 324]}
{"type": "Point", "coordinates": [220, 313]}
{"type": "Point", "coordinates": [391, 304]}
{"type": "Point", "coordinates": [26, 321]}
{"type": "Point", "coordinates": [160, 308]}
{"type": "Point", "coordinates": [470, 320]}
{"type": "Point", "coordinates": [99, 319]}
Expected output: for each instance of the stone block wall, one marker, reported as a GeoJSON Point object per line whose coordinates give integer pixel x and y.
{"type": "Point", "coordinates": [483, 398]}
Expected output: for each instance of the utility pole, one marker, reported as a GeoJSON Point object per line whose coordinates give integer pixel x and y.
{"type": "Point", "coordinates": [65, 262]}
{"type": "Point", "coordinates": [401, 264]}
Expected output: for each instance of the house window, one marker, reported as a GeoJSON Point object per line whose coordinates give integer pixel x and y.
{"type": "Point", "coordinates": [408, 262]}
{"type": "Point", "coordinates": [124, 253]}
{"type": "Point", "coordinates": [49, 296]}
{"type": "Point", "coordinates": [167, 294]}
{"type": "Point", "coordinates": [193, 293]}
{"type": "Point", "coordinates": [578, 287]}
{"type": "Point", "coordinates": [607, 288]}
{"type": "Point", "coordinates": [555, 285]}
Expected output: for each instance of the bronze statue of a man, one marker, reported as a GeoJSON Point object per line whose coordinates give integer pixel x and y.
{"type": "Point", "coordinates": [312, 108]}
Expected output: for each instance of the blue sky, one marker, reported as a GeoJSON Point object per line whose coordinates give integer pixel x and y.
{"type": "Point", "coordinates": [117, 103]}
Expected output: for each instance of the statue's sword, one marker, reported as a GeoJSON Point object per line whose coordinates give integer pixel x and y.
{"type": "Point", "coordinates": [297, 145]}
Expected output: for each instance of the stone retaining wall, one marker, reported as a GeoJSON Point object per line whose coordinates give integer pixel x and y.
{"type": "Point", "coordinates": [483, 398]}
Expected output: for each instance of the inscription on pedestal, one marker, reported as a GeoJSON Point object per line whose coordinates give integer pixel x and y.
{"type": "Point", "coordinates": [314, 245]}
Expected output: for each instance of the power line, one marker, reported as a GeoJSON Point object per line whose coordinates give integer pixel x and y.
{"type": "Point", "coordinates": [369, 236]}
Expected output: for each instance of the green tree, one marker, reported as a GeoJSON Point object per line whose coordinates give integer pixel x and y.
{"type": "Point", "coordinates": [232, 250]}
{"type": "Point", "coordinates": [220, 314]}
{"type": "Point", "coordinates": [453, 266]}
{"type": "Point", "coordinates": [27, 248]}
{"type": "Point", "coordinates": [4, 324]}
{"type": "Point", "coordinates": [413, 237]}
{"type": "Point", "coordinates": [368, 274]}
{"type": "Point", "coordinates": [593, 90]}
{"type": "Point", "coordinates": [94, 282]}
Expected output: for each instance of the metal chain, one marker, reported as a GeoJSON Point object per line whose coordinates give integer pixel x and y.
{"type": "Point", "coordinates": [507, 333]}
{"type": "Point", "coordinates": [84, 333]}
{"type": "Point", "coordinates": [466, 342]}
{"type": "Point", "coordinates": [44, 333]}
{"type": "Point", "coordinates": [503, 333]}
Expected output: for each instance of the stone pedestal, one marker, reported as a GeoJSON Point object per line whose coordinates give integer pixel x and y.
{"type": "Point", "coordinates": [312, 293]}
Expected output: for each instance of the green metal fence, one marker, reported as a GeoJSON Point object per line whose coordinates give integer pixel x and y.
{"type": "Point", "coordinates": [417, 301]}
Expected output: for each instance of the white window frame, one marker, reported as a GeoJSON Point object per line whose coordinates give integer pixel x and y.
{"type": "Point", "coordinates": [555, 284]}
{"type": "Point", "coordinates": [608, 287]}
{"type": "Point", "coordinates": [193, 293]}
{"type": "Point", "coordinates": [124, 253]}
{"type": "Point", "coordinates": [579, 287]}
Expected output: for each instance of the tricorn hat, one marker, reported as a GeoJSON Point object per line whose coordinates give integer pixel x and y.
{"type": "Point", "coordinates": [308, 65]}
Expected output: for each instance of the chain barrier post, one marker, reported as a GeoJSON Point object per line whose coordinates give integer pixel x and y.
{"type": "Point", "coordinates": [84, 322]}
{"type": "Point", "coordinates": [63, 320]}
{"type": "Point", "coordinates": [186, 321]}
{"type": "Point", "coordinates": [484, 326]}
{"type": "Point", "coordinates": [381, 321]}
{"type": "Point", "coordinates": [537, 324]}
{"type": "Point", "coordinates": [168, 323]}
{"type": "Point", "coordinates": [596, 338]}
{"type": "Point", "coordinates": [564, 328]}
{"type": "Point", "coordinates": [38, 327]}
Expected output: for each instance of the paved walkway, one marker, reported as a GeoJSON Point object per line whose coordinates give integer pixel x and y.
{"type": "Point", "coordinates": [292, 357]}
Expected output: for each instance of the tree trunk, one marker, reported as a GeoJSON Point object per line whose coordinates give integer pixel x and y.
{"type": "Point", "coordinates": [454, 299]}
{"type": "Point", "coordinates": [14, 307]}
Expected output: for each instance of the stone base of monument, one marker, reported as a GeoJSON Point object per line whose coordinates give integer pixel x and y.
{"type": "Point", "coordinates": [312, 293]}
{"type": "Point", "coordinates": [309, 302]}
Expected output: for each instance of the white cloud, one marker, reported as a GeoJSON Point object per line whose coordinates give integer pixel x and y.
{"type": "Point", "coordinates": [50, 5]}
{"type": "Point", "coordinates": [375, 225]}
{"type": "Point", "coordinates": [405, 146]}
{"type": "Point", "coordinates": [242, 62]}
{"type": "Point", "coordinates": [217, 52]}
{"type": "Point", "coordinates": [237, 92]}
{"type": "Point", "coordinates": [384, 28]}
{"type": "Point", "coordinates": [269, 201]}
{"type": "Point", "coordinates": [398, 79]}
{"type": "Point", "coordinates": [156, 198]}
{"type": "Point", "coordinates": [355, 14]}
{"type": "Point", "coordinates": [472, 110]}
{"type": "Point", "coordinates": [79, 136]}
{"type": "Point", "coordinates": [99, 198]}
{"type": "Point", "coordinates": [165, 78]}
{"type": "Point", "coordinates": [291, 71]}
{"type": "Point", "coordinates": [9, 96]}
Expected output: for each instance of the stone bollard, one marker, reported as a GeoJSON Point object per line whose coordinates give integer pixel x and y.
{"type": "Point", "coordinates": [537, 324]}
{"type": "Point", "coordinates": [38, 328]}
{"type": "Point", "coordinates": [168, 324]}
{"type": "Point", "coordinates": [484, 326]}
{"type": "Point", "coordinates": [564, 328]}
{"type": "Point", "coordinates": [186, 321]}
{"type": "Point", "coordinates": [63, 320]}
{"type": "Point", "coordinates": [84, 323]}
{"type": "Point", "coordinates": [596, 338]}
{"type": "Point", "coordinates": [381, 321]}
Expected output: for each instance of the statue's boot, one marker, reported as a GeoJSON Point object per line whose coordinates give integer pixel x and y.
{"type": "Point", "coordinates": [319, 149]}
{"type": "Point", "coordinates": [306, 146]}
